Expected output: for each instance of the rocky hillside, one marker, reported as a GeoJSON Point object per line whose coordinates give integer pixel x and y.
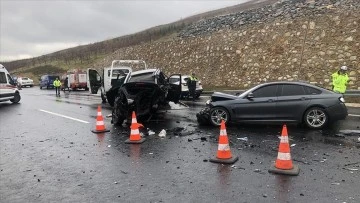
{"type": "Point", "coordinates": [289, 40]}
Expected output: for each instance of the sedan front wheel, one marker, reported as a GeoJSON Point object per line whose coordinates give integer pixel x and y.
{"type": "Point", "coordinates": [316, 118]}
{"type": "Point", "coordinates": [218, 114]}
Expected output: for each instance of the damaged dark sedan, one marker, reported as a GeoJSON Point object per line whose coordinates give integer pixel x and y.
{"type": "Point", "coordinates": [276, 102]}
{"type": "Point", "coordinates": [145, 92]}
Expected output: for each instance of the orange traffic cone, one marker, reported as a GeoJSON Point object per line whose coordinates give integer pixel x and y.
{"type": "Point", "coordinates": [224, 154]}
{"type": "Point", "coordinates": [100, 125]}
{"type": "Point", "coordinates": [283, 163]}
{"type": "Point", "coordinates": [135, 137]}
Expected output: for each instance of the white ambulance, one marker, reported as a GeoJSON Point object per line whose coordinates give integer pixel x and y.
{"type": "Point", "coordinates": [8, 89]}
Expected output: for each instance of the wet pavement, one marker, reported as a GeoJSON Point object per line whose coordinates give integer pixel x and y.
{"type": "Point", "coordinates": [49, 154]}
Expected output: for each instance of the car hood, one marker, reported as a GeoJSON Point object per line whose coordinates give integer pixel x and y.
{"type": "Point", "coordinates": [219, 96]}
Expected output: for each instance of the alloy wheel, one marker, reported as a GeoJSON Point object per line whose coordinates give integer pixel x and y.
{"type": "Point", "coordinates": [316, 118]}
{"type": "Point", "coordinates": [218, 114]}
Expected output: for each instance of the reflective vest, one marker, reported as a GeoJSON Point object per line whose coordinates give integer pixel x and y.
{"type": "Point", "coordinates": [339, 82]}
{"type": "Point", "coordinates": [193, 78]}
{"type": "Point", "coordinates": [57, 83]}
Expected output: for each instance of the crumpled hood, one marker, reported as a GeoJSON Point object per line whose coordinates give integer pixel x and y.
{"type": "Point", "coordinates": [219, 96]}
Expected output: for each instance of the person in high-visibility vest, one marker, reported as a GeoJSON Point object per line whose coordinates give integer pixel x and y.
{"type": "Point", "coordinates": [57, 85]}
{"type": "Point", "coordinates": [192, 86]}
{"type": "Point", "coordinates": [339, 80]}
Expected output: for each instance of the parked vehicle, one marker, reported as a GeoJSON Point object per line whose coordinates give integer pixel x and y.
{"type": "Point", "coordinates": [47, 81]}
{"type": "Point", "coordinates": [77, 79]}
{"type": "Point", "coordinates": [111, 78]}
{"type": "Point", "coordinates": [8, 89]}
{"type": "Point", "coordinates": [25, 81]}
{"type": "Point", "coordinates": [279, 102]}
{"type": "Point", "coordinates": [184, 86]}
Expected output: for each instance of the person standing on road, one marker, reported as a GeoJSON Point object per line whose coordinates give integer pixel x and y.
{"type": "Point", "coordinates": [192, 85]}
{"type": "Point", "coordinates": [57, 85]}
{"type": "Point", "coordinates": [339, 80]}
{"type": "Point", "coordinates": [66, 84]}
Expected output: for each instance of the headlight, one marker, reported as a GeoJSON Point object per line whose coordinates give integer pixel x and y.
{"type": "Point", "coordinates": [208, 102]}
{"type": "Point", "coordinates": [342, 99]}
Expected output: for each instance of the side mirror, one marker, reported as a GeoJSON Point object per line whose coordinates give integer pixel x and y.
{"type": "Point", "coordinates": [250, 95]}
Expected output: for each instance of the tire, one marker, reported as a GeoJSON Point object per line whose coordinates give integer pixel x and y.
{"type": "Point", "coordinates": [217, 114]}
{"type": "Point", "coordinates": [316, 118]}
{"type": "Point", "coordinates": [119, 111]}
{"type": "Point", "coordinates": [41, 87]}
{"type": "Point", "coordinates": [92, 91]}
{"type": "Point", "coordinates": [16, 99]}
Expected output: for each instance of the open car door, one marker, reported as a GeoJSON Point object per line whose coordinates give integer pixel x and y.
{"type": "Point", "coordinates": [174, 92]}
{"type": "Point", "coordinates": [94, 81]}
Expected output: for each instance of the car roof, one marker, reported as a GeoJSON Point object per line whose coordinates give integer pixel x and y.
{"type": "Point", "coordinates": [289, 82]}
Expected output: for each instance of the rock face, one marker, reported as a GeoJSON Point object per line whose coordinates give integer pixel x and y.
{"type": "Point", "coordinates": [291, 40]}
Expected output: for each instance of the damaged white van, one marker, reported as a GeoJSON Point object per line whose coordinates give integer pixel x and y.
{"type": "Point", "coordinates": [8, 89]}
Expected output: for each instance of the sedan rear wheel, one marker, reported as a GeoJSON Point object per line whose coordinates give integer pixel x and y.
{"type": "Point", "coordinates": [316, 118]}
{"type": "Point", "coordinates": [217, 114]}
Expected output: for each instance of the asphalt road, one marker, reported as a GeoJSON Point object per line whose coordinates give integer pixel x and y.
{"type": "Point", "coordinates": [49, 154]}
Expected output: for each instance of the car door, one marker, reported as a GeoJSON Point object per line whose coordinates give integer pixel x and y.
{"type": "Point", "coordinates": [258, 105]}
{"type": "Point", "coordinates": [292, 102]}
{"type": "Point", "coordinates": [93, 81]}
{"type": "Point", "coordinates": [5, 91]}
{"type": "Point", "coordinates": [174, 92]}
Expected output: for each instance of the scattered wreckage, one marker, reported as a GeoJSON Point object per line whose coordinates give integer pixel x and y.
{"type": "Point", "coordinates": [145, 91]}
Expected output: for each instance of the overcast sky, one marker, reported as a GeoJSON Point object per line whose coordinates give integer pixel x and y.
{"type": "Point", "coordinates": [30, 28]}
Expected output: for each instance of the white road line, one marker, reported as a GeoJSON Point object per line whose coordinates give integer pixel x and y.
{"type": "Point", "coordinates": [354, 115]}
{"type": "Point", "coordinates": [56, 114]}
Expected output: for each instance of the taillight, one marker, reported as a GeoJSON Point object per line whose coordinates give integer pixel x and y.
{"type": "Point", "coordinates": [342, 99]}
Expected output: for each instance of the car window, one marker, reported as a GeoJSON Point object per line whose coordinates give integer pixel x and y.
{"type": "Point", "coordinates": [24, 78]}
{"type": "Point", "coordinates": [310, 90]}
{"type": "Point", "coordinates": [292, 90]}
{"type": "Point", "coordinates": [144, 77]}
{"type": "Point", "coordinates": [266, 91]}
{"type": "Point", "coordinates": [10, 79]}
{"type": "Point", "coordinates": [2, 77]}
{"type": "Point", "coordinates": [117, 72]}
{"type": "Point", "coordinates": [174, 80]}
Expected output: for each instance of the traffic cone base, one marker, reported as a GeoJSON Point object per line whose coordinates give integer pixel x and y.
{"type": "Point", "coordinates": [128, 141]}
{"type": "Point", "coordinates": [224, 161]}
{"type": "Point", "coordinates": [293, 172]}
{"type": "Point", "coordinates": [100, 131]}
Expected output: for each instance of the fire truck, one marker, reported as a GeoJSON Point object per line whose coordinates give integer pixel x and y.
{"type": "Point", "coordinates": [77, 79]}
